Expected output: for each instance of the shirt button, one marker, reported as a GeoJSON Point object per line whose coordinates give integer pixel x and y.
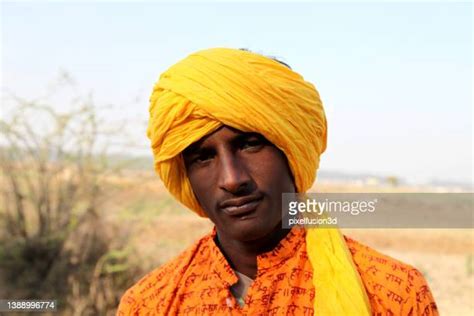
{"type": "Point", "coordinates": [230, 302]}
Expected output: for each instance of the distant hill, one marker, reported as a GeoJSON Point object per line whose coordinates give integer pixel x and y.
{"type": "Point", "coordinates": [145, 163]}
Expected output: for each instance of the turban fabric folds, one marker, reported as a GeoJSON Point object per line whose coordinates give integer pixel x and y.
{"type": "Point", "coordinates": [253, 93]}
{"type": "Point", "coordinates": [242, 90]}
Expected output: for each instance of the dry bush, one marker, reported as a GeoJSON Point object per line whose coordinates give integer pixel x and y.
{"type": "Point", "coordinates": [54, 241]}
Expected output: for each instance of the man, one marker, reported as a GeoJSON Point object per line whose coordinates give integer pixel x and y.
{"type": "Point", "coordinates": [231, 131]}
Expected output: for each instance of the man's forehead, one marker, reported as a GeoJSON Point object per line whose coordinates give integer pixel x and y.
{"type": "Point", "coordinates": [224, 132]}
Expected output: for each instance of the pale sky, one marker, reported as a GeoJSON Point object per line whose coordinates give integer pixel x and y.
{"type": "Point", "coordinates": [395, 78]}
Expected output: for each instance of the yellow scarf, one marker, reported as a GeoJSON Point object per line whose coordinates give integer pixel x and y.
{"type": "Point", "coordinates": [253, 93]}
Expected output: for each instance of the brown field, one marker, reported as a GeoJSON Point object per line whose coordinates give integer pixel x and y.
{"type": "Point", "coordinates": [163, 228]}
{"type": "Point", "coordinates": [159, 228]}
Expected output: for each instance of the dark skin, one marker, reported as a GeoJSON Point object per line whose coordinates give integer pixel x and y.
{"type": "Point", "coordinates": [238, 179]}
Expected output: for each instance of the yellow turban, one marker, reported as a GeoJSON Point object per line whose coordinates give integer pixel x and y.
{"type": "Point", "coordinates": [252, 93]}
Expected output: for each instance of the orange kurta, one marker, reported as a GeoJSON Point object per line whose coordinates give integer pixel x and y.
{"type": "Point", "coordinates": [197, 283]}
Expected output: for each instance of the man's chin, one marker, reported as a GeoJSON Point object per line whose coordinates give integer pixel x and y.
{"type": "Point", "coordinates": [247, 232]}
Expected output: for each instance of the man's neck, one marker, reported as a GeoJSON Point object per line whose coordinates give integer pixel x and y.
{"type": "Point", "coordinates": [242, 255]}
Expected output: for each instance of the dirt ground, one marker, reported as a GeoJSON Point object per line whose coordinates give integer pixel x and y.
{"type": "Point", "coordinates": [444, 256]}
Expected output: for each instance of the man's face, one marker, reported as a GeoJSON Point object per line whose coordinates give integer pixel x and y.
{"type": "Point", "coordinates": [238, 179]}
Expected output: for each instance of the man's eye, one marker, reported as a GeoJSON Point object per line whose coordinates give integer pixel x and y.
{"type": "Point", "coordinates": [202, 158]}
{"type": "Point", "coordinates": [252, 143]}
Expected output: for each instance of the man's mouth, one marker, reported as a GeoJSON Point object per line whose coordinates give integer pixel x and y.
{"type": "Point", "coordinates": [241, 207]}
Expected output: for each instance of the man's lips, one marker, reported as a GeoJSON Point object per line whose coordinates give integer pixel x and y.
{"type": "Point", "coordinates": [241, 206]}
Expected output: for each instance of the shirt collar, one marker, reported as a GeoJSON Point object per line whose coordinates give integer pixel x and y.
{"type": "Point", "coordinates": [285, 249]}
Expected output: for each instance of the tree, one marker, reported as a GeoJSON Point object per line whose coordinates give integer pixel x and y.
{"type": "Point", "coordinates": [54, 170]}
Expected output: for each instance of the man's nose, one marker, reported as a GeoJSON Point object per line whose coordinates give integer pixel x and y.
{"type": "Point", "coordinates": [233, 175]}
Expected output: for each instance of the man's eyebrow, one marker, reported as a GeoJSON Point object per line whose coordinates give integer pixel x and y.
{"type": "Point", "coordinates": [193, 148]}
{"type": "Point", "coordinates": [200, 145]}
{"type": "Point", "coordinates": [245, 135]}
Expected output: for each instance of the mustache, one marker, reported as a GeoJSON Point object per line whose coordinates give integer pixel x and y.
{"type": "Point", "coordinates": [239, 201]}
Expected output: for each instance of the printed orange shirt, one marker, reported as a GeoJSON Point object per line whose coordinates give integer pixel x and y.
{"type": "Point", "coordinates": [197, 282]}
